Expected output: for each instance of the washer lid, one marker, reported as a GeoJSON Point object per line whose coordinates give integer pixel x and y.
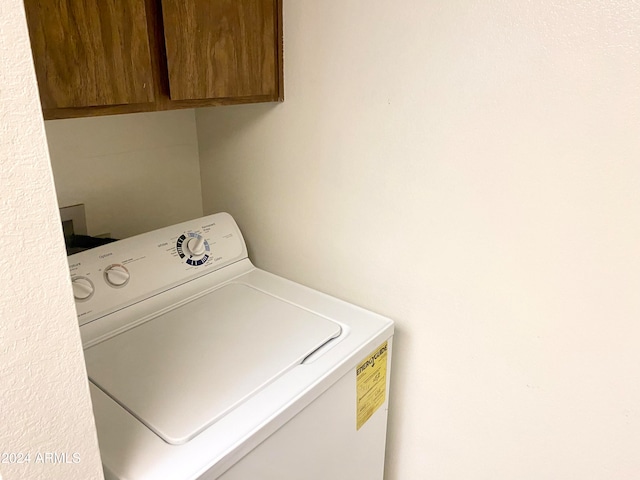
{"type": "Point", "coordinates": [185, 369]}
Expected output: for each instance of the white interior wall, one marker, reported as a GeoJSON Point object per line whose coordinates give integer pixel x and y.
{"type": "Point", "coordinates": [45, 406]}
{"type": "Point", "coordinates": [471, 170]}
{"type": "Point", "coordinates": [134, 173]}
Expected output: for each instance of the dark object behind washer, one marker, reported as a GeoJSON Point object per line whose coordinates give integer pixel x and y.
{"type": "Point", "coordinates": [74, 228]}
{"type": "Point", "coordinates": [79, 243]}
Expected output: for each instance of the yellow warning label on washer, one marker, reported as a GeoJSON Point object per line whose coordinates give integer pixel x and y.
{"type": "Point", "coordinates": [371, 384]}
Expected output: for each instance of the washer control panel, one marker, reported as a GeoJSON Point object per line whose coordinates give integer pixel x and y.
{"type": "Point", "coordinates": [118, 274]}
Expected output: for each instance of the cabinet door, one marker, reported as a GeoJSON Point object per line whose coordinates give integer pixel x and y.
{"type": "Point", "coordinates": [221, 48]}
{"type": "Point", "coordinates": [90, 52]}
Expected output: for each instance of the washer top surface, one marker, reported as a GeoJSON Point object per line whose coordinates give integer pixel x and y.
{"type": "Point", "coordinates": [183, 370]}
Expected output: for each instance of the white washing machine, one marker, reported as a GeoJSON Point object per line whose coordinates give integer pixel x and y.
{"type": "Point", "coordinates": [202, 366]}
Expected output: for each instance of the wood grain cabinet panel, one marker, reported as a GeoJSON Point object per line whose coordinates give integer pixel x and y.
{"type": "Point", "coordinates": [103, 57]}
{"type": "Point", "coordinates": [90, 52]}
{"type": "Point", "coordinates": [220, 48]}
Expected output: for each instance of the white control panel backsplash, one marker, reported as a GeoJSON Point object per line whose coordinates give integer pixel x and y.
{"type": "Point", "coordinates": [110, 277]}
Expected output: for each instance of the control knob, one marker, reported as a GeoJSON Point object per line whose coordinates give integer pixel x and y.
{"type": "Point", "coordinates": [116, 275]}
{"type": "Point", "coordinates": [82, 288]}
{"type": "Point", "coordinates": [196, 246]}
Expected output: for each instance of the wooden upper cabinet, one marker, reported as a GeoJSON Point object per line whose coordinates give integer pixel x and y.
{"type": "Point", "coordinates": [220, 48]}
{"type": "Point", "coordinates": [100, 57]}
{"type": "Point", "coordinates": [90, 52]}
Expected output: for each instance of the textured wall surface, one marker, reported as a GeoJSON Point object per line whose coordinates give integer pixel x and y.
{"type": "Point", "coordinates": [45, 407]}
{"type": "Point", "coordinates": [470, 169]}
{"type": "Point", "coordinates": [134, 173]}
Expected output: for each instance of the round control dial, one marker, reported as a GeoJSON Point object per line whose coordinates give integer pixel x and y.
{"type": "Point", "coordinates": [82, 288]}
{"type": "Point", "coordinates": [193, 248]}
{"type": "Point", "coordinates": [116, 275]}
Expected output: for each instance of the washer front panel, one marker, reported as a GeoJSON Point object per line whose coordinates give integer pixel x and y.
{"type": "Point", "coordinates": [183, 370]}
